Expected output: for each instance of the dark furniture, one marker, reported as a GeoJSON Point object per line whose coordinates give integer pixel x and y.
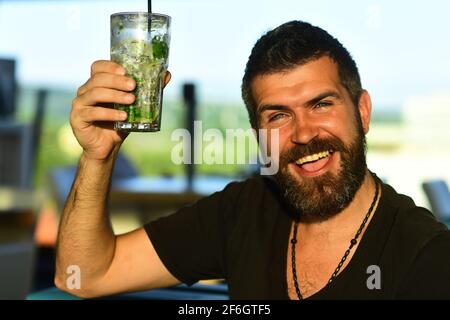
{"type": "Point", "coordinates": [439, 197]}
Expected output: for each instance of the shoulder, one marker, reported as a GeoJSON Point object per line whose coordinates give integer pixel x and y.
{"type": "Point", "coordinates": [411, 227]}
{"type": "Point", "coordinates": [428, 276]}
{"type": "Point", "coordinates": [419, 246]}
{"type": "Point", "coordinates": [412, 222]}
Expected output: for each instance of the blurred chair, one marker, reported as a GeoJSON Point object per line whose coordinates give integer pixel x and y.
{"type": "Point", "coordinates": [61, 179]}
{"type": "Point", "coordinates": [15, 155]}
{"type": "Point", "coordinates": [439, 197]}
{"type": "Point", "coordinates": [123, 168]}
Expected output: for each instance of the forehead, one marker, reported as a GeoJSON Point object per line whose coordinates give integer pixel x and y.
{"type": "Point", "coordinates": [297, 84]}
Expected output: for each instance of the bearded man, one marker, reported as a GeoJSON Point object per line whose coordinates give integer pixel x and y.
{"type": "Point", "coordinates": [323, 227]}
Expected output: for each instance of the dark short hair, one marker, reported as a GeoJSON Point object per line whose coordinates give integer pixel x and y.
{"type": "Point", "coordinates": [292, 44]}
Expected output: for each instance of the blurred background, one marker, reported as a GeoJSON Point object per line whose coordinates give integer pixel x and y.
{"type": "Point", "coordinates": [47, 47]}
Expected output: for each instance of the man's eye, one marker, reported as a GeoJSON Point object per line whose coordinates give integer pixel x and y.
{"type": "Point", "coordinates": [323, 104]}
{"type": "Point", "coordinates": [277, 116]}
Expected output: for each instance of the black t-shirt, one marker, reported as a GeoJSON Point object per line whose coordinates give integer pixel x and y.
{"type": "Point", "coordinates": [242, 234]}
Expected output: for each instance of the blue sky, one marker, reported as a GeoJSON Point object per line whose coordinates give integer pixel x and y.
{"type": "Point", "coordinates": [401, 47]}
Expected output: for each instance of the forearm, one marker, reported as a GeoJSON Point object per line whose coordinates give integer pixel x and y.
{"type": "Point", "coordinates": [85, 237]}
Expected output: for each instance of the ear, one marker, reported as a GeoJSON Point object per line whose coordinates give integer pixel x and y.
{"type": "Point", "coordinates": [167, 78]}
{"type": "Point", "coordinates": [365, 109]}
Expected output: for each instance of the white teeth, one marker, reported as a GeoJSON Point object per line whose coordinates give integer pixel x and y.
{"type": "Point", "coordinates": [313, 157]}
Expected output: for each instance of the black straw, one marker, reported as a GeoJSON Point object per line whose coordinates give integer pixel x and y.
{"type": "Point", "coordinates": [149, 10]}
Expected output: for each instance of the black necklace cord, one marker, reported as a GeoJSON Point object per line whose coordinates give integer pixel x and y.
{"type": "Point", "coordinates": [353, 242]}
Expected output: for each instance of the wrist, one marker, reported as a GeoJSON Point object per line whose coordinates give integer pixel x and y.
{"type": "Point", "coordinates": [94, 159]}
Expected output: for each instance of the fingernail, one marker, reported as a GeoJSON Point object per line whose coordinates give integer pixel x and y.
{"type": "Point", "coordinates": [130, 84]}
{"type": "Point", "coordinates": [129, 97]}
{"type": "Point", "coordinates": [123, 115]}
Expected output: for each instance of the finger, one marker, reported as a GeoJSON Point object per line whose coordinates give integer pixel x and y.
{"type": "Point", "coordinates": [95, 96]}
{"type": "Point", "coordinates": [107, 66]}
{"type": "Point", "coordinates": [91, 114]}
{"type": "Point", "coordinates": [110, 125]}
{"type": "Point", "coordinates": [167, 78]}
{"type": "Point", "coordinates": [108, 80]}
{"type": "Point", "coordinates": [82, 89]}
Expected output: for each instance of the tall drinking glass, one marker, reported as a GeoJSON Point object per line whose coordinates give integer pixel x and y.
{"type": "Point", "coordinates": [144, 55]}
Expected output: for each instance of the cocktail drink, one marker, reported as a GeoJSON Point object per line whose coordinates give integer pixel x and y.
{"type": "Point", "coordinates": [144, 55]}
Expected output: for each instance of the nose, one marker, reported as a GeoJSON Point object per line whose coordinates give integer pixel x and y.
{"type": "Point", "coordinates": [304, 130]}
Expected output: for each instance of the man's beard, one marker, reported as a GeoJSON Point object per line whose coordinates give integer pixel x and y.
{"type": "Point", "coordinates": [319, 198]}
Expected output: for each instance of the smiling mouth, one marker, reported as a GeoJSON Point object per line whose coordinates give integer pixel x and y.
{"type": "Point", "coordinates": [314, 157]}
{"type": "Point", "coordinates": [313, 163]}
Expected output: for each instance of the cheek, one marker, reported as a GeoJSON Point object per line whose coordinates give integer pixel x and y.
{"type": "Point", "coordinates": [339, 125]}
{"type": "Point", "coordinates": [273, 142]}
{"type": "Point", "coordinates": [278, 140]}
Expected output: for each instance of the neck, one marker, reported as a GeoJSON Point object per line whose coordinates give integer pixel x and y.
{"type": "Point", "coordinates": [343, 224]}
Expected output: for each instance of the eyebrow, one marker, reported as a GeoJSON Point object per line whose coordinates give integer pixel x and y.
{"type": "Point", "coordinates": [309, 103]}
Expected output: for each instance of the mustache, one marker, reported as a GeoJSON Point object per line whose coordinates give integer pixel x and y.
{"type": "Point", "coordinates": [314, 146]}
